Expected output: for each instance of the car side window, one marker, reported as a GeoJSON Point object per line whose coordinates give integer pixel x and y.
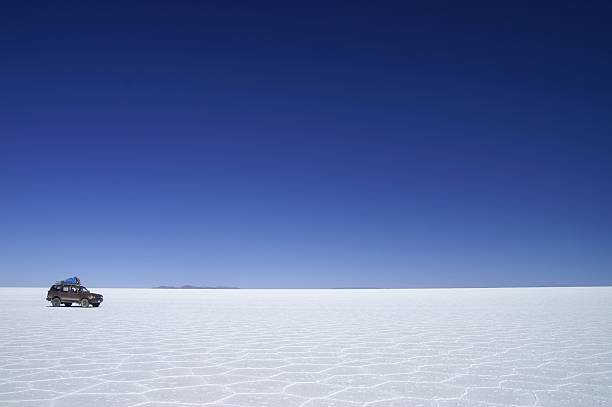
{"type": "Point", "coordinates": [65, 289]}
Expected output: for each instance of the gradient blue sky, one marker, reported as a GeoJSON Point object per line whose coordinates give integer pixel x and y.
{"type": "Point", "coordinates": [311, 144]}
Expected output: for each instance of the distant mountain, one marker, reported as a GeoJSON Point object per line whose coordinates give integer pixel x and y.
{"type": "Point", "coordinates": [193, 287]}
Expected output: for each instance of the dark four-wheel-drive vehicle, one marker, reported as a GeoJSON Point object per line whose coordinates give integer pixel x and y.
{"type": "Point", "coordinates": [68, 294]}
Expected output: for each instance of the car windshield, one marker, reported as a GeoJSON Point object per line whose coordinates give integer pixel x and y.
{"type": "Point", "coordinates": [84, 290]}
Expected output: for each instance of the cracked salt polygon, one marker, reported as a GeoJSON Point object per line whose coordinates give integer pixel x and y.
{"type": "Point", "coordinates": [259, 386]}
{"type": "Point", "coordinates": [465, 403]}
{"type": "Point", "coordinates": [269, 400]}
{"type": "Point", "coordinates": [115, 388]}
{"type": "Point", "coordinates": [520, 385]}
{"type": "Point", "coordinates": [567, 399]}
{"type": "Point", "coordinates": [195, 394]}
{"type": "Point", "coordinates": [330, 403]}
{"type": "Point", "coordinates": [357, 380]}
{"type": "Point", "coordinates": [604, 392]}
{"type": "Point", "coordinates": [501, 396]}
{"type": "Point", "coordinates": [361, 394]}
{"type": "Point", "coordinates": [403, 402]}
{"type": "Point", "coordinates": [173, 381]}
{"type": "Point", "coordinates": [99, 400]}
{"type": "Point", "coordinates": [28, 403]}
{"type": "Point", "coordinates": [73, 384]}
{"type": "Point", "coordinates": [24, 395]}
{"type": "Point", "coordinates": [311, 390]}
{"type": "Point", "coordinates": [421, 390]}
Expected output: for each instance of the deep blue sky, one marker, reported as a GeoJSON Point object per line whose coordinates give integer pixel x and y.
{"type": "Point", "coordinates": [306, 144]}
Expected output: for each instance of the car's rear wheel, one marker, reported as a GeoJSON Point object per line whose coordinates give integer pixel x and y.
{"type": "Point", "coordinates": [68, 304]}
{"type": "Point", "coordinates": [56, 302]}
{"type": "Point", "coordinates": [84, 303]}
{"type": "Point", "coordinates": [95, 305]}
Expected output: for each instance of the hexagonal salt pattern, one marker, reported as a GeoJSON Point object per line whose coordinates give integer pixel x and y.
{"type": "Point", "coordinates": [312, 348]}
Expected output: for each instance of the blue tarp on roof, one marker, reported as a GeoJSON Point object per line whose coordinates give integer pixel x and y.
{"type": "Point", "coordinates": [72, 280]}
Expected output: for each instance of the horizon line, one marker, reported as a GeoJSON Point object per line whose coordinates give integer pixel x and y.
{"type": "Point", "coordinates": [331, 288]}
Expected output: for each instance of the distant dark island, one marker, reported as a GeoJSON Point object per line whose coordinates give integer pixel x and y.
{"type": "Point", "coordinates": [193, 287]}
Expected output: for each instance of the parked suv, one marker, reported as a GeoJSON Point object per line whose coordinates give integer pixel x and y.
{"type": "Point", "coordinates": [69, 294]}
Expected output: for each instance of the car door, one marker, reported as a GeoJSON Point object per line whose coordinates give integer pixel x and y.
{"type": "Point", "coordinates": [83, 293]}
{"type": "Point", "coordinates": [69, 293]}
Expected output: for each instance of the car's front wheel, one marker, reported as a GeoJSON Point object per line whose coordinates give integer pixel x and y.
{"type": "Point", "coordinates": [84, 303]}
{"type": "Point", "coordinates": [56, 302]}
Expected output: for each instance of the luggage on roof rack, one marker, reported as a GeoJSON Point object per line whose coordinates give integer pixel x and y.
{"type": "Point", "coordinates": [71, 280]}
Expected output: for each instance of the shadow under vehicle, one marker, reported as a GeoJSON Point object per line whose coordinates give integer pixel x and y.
{"type": "Point", "coordinates": [69, 294]}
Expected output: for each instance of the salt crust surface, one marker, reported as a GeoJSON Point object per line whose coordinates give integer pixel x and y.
{"type": "Point", "coordinates": [312, 348]}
